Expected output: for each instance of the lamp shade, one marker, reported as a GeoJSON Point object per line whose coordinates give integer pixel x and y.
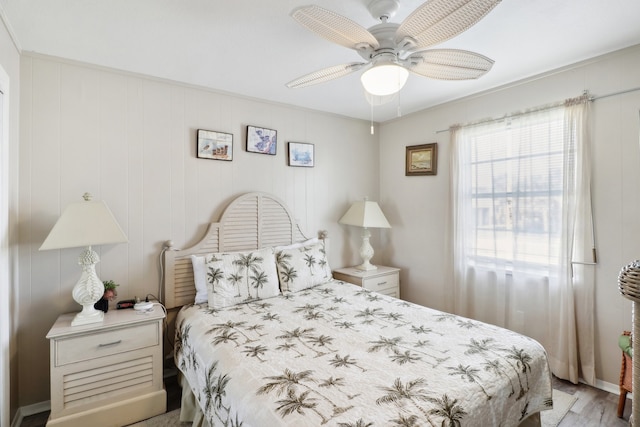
{"type": "Point", "coordinates": [366, 214]}
{"type": "Point", "coordinates": [84, 223]}
{"type": "Point", "coordinates": [384, 79]}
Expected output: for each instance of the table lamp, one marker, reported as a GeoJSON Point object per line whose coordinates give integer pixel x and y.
{"type": "Point", "coordinates": [365, 214]}
{"type": "Point", "coordinates": [86, 223]}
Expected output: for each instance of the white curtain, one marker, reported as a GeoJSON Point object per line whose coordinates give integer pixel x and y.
{"type": "Point", "coordinates": [522, 230]}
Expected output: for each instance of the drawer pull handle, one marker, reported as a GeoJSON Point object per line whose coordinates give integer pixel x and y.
{"type": "Point", "coordinates": [109, 344]}
{"type": "Point", "coordinates": [382, 283]}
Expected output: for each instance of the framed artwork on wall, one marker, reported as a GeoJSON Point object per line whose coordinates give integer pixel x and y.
{"type": "Point", "coordinates": [301, 154]}
{"type": "Point", "coordinates": [214, 145]}
{"type": "Point", "coordinates": [422, 159]}
{"type": "Point", "coordinates": [261, 140]}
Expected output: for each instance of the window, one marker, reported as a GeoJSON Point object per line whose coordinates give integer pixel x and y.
{"type": "Point", "coordinates": [514, 200]}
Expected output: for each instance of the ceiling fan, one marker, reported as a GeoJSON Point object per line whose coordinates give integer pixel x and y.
{"type": "Point", "coordinates": [393, 50]}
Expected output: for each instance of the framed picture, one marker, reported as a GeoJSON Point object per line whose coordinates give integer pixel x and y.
{"type": "Point", "coordinates": [301, 154]}
{"type": "Point", "coordinates": [214, 145]}
{"type": "Point", "coordinates": [261, 140]}
{"type": "Point", "coordinates": [422, 159]}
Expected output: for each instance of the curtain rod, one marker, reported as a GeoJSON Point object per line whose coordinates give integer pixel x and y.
{"type": "Point", "coordinates": [622, 92]}
{"type": "Point", "coordinates": [508, 116]}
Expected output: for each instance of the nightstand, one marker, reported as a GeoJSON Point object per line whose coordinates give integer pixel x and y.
{"type": "Point", "coordinates": [385, 280]}
{"type": "Point", "coordinates": [107, 373]}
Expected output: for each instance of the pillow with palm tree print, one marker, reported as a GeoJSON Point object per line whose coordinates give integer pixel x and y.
{"type": "Point", "coordinates": [199, 278]}
{"type": "Point", "coordinates": [303, 267]}
{"type": "Point", "coordinates": [297, 245]}
{"type": "Point", "coordinates": [239, 277]}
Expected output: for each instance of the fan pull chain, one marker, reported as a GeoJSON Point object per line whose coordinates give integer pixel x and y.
{"type": "Point", "coordinates": [372, 129]}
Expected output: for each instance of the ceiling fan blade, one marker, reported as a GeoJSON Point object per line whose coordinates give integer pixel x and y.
{"type": "Point", "coordinates": [439, 20]}
{"type": "Point", "coordinates": [449, 64]}
{"type": "Point", "coordinates": [326, 74]}
{"type": "Point", "coordinates": [334, 27]}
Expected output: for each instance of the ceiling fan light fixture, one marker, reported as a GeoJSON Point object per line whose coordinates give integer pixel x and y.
{"type": "Point", "coordinates": [384, 79]}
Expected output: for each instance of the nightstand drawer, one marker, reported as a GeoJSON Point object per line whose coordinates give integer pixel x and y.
{"type": "Point", "coordinates": [379, 284]}
{"type": "Point", "coordinates": [392, 292]}
{"type": "Point", "coordinates": [107, 343]}
{"type": "Point", "coordinates": [384, 280]}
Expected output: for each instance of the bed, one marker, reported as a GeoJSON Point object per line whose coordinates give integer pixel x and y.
{"type": "Point", "coordinates": [273, 340]}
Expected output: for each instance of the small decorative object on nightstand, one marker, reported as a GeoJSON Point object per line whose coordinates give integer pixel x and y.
{"type": "Point", "coordinates": [385, 280]}
{"type": "Point", "coordinates": [107, 373]}
{"type": "Point", "coordinates": [110, 293]}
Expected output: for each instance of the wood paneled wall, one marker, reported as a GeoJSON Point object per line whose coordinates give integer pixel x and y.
{"type": "Point", "coordinates": [130, 140]}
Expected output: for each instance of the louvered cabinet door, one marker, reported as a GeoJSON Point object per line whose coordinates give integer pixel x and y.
{"type": "Point", "coordinates": [107, 373]}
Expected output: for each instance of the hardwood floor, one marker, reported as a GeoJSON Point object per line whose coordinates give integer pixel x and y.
{"type": "Point", "coordinates": [594, 407]}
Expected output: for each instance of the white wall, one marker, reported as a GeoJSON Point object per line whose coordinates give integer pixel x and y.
{"type": "Point", "coordinates": [418, 207]}
{"type": "Point", "coordinates": [130, 140]}
{"type": "Point", "coordinates": [10, 86]}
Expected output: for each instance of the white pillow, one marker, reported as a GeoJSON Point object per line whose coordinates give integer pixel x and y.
{"type": "Point", "coordinates": [199, 278]}
{"type": "Point", "coordinates": [239, 277]}
{"type": "Point", "coordinates": [303, 267]}
{"type": "Point", "coordinates": [296, 245]}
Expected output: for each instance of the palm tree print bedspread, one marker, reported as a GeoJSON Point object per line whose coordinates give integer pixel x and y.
{"type": "Point", "coordinates": [339, 355]}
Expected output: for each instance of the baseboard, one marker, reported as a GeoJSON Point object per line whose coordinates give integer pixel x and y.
{"type": "Point", "coordinates": [610, 387]}
{"type": "Point", "coordinates": [26, 411]}
{"type": "Point", "coordinates": [169, 372]}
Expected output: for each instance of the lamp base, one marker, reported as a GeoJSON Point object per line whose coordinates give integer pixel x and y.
{"type": "Point", "coordinates": [366, 266]}
{"type": "Point", "coordinates": [88, 290]}
{"type": "Point", "coordinates": [83, 318]}
{"type": "Point", "coordinates": [366, 252]}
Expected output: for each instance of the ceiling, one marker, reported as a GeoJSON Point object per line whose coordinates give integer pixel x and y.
{"type": "Point", "coordinates": [254, 47]}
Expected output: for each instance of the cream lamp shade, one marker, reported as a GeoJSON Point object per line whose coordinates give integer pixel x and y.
{"type": "Point", "coordinates": [384, 79]}
{"type": "Point", "coordinates": [86, 223]}
{"type": "Point", "coordinates": [365, 214]}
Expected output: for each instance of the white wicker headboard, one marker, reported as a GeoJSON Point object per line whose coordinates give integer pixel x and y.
{"type": "Point", "coordinates": [252, 221]}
